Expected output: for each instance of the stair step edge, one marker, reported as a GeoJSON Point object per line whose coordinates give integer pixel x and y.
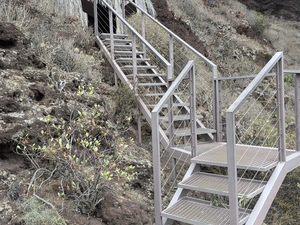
{"type": "Point", "coordinates": [218, 184]}
{"type": "Point", "coordinates": [181, 132]}
{"type": "Point", "coordinates": [200, 212]}
{"type": "Point", "coordinates": [166, 105]}
{"type": "Point", "coordinates": [147, 75]}
{"type": "Point", "coordinates": [181, 117]}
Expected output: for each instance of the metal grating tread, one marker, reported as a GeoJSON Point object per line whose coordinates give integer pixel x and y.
{"type": "Point", "coordinates": [166, 105]}
{"type": "Point", "coordinates": [147, 75]}
{"type": "Point", "coordinates": [116, 36]}
{"type": "Point", "coordinates": [143, 67]}
{"type": "Point", "coordinates": [151, 85]}
{"type": "Point", "coordinates": [126, 60]}
{"type": "Point", "coordinates": [120, 41]}
{"type": "Point", "coordinates": [218, 184]}
{"type": "Point", "coordinates": [247, 156]}
{"type": "Point", "coordinates": [181, 132]}
{"type": "Point", "coordinates": [127, 53]}
{"type": "Point", "coordinates": [181, 117]}
{"type": "Point", "coordinates": [200, 212]}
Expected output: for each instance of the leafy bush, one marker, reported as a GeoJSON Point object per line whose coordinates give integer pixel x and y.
{"type": "Point", "coordinates": [82, 153]}
{"type": "Point", "coordinates": [260, 23]}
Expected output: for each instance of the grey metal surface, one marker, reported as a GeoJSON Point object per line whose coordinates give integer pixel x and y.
{"type": "Point", "coordinates": [139, 67]}
{"type": "Point", "coordinates": [182, 117]}
{"type": "Point", "coordinates": [181, 132]}
{"type": "Point", "coordinates": [218, 184]}
{"type": "Point", "coordinates": [148, 75]}
{"type": "Point", "coordinates": [129, 60]}
{"type": "Point", "coordinates": [152, 84]}
{"type": "Point", "coordinates": [247, 156]}
{"type": "Point", "coordinates": [116, 36]}
{"type": "Point", "coordinates": [126, 53]}
{"type": "Point", "coordinates": [199, 212]}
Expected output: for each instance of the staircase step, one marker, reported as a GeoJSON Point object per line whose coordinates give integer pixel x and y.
{"type": "Point", "coordinates": [166, 105]}
{"type": "Point", "coordinates": [121, 47]}
{"type": "Point", "coordinates": [147, 75]}
{"type": "Point", "coordinates": [218, 184]}
{"type": "Point", "coordinates": [116, 36]}
{"type": "Point", "coordinates": [127, 53]}
{"type": "Point", "coordinates": [129, 60]}
{"type": "Point", "coordinates": [143, 67]}
{"type": "Point", "coordinates": [249, 157]}
{"type": "Point", "coordinates": [181, 132]}
{"type": "Point", "coordinates": [117, 41]}
{"type": "Point", "coordinates": [151, 84]}
{"type": "Point", "coordinates": [181, 117]}
{"type": "Point", "coordinates": [200, 212]}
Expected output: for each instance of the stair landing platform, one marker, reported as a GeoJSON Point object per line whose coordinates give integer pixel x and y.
{"type": "Point", "coordinates": [247, 156]}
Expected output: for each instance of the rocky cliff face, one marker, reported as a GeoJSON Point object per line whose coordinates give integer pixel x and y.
{"type": "Point", "coordinates": [288, 9]}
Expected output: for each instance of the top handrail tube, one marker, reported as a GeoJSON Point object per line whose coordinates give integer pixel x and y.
{"type": "Point", "coordinates": [137, 34]}
{"type": "Point", "coordinates": [176, 37]}
{"type": "Point", "coordinates": [254, 83]}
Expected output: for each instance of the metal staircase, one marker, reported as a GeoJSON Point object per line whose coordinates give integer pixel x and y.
{"type": "Point", "coordinates": [199, 178]}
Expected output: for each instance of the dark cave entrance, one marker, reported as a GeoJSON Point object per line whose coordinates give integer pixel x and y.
{"type": "Point", "coordinates": [103, 16]}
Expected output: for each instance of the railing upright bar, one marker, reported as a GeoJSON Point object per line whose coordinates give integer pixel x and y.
{"type": "Point", "coordinates": [144, 33]}
{"type": "Point", "coordinates": [174, 35]}
{"type": "Point", "coordinates": [96, 18]}
{"type": "Point", "coordinates": [123, 15]}
{"type": "Point", "coordinates": [281, 111]}
{"type": "Point", "coordinates": [111, 34]}
{"type": "Point", "coordinates": [171, 60]}
{"type": "Point", "coordinates": [217, 106]}
{"type": "Point", "coordinates": [134, 62]}
{"type": "Point", "coordinates": [156, 168]}
{"type": "Point", "coordinates": [193, 110]}
{"type": "Point", "coordinates": [232, 170]}
{"type": "Point", "coordinates": [297, 109]}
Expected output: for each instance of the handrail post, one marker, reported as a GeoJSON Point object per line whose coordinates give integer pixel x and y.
{"type": "Point", "coordinates": [281, 111]}
{"type": "Point", "coordinates": [297, 109]}
{"type": "Point", "coordinates": [123, 15]}
{"type": "Point", "coordinates": [156, 168]}
{"type": "Point", "coordinates": [111, 34]}
{"type": "Point", "coordinates": [171, 57]}
{"type": "Point", "coordinates": [192, 90]}
{"type": "Point", "coordinates": [96, 28]}
{"type": "Point", "coordinates": [134, 62]}
{"type": "Point", "coordinates": [217, 105]}
{"type": "Point", "coordinates": [143, 33]}
{"type": "Point", "coordinates": [232, 170]}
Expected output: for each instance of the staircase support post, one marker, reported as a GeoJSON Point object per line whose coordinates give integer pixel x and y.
{"type": "Point", "coordinates": [96, 18]}
{"type": "Point", "coordinates": [156, 168]}
{"type": "Point", "coordinates": [297, 109]}
{"type": "Point", "coordinates": [193, 110]}
{"type": "Point", "coordinates": [171, 56]}
{"type": "Point", "coordinates": [217, 105]}
{"type": "Point", "coordinates": [144, 33]}
{"type": "Point", "coordinates": [232, 170]}
{"type": "Point", "coordinates": [281, 111]}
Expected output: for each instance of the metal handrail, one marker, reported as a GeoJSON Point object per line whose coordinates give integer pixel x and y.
{"type": "Point", "coordinates": [277, 60]}
{"type": "Point", "coordinates": [156, 136]}
{"type": "Point", "coordinates": [138, 35]}
{"type": "Point", "coordinates": [175, 36]}
{"type": "Point", "coordinates": [255, 82]}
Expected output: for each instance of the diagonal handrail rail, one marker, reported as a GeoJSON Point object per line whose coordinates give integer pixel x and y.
{"type": "Point", "coordinates": [215, 86]}
{"type": "Point", "coordinates": [189, 68]}
{"type": "Point", "coordinates": [276, 60]}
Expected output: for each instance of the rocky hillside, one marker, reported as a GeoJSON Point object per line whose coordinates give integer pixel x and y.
{"type": "Point", "coordinates": [56, 86]}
